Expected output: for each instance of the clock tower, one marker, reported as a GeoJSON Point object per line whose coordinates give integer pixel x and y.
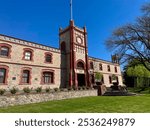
{"type": "Point", "coordinates": [74, 56]}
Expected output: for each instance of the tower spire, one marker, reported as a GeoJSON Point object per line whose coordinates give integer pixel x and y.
{"type": "Point", "coordinates": [71, 11]}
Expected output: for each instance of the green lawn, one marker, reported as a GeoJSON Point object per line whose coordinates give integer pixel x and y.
{"type": "Point", "coordinates": [101, 104]}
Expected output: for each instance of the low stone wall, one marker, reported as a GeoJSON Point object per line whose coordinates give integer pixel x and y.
{"type": "Point", "coordinates": [42, 97]}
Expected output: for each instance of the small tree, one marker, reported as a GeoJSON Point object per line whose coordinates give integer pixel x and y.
{"type": "Point", "coordinates": [98, 77]}
{"type": "Point", "coordinates": [114, 77]}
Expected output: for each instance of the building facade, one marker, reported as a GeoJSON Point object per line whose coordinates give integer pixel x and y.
{"type": "Point", "coordinates": [29, 64]}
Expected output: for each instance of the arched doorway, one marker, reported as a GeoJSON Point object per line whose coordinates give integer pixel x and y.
{"type": "Point", "coordinates": [80, 73]}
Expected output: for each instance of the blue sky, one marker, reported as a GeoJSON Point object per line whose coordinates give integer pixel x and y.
{"type": "Point", "coordinates": [39, 20]}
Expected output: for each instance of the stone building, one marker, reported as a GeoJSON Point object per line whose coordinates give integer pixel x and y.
{"type": "Point", "coordinates": [28, 64]}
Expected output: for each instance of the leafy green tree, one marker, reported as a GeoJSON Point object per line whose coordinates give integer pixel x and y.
{"type": "Point", "coordinates": [98, 76]}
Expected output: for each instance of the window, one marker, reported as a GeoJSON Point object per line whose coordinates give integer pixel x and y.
{"type": "Point", "coordinates": [2, 75]}
{"type": "Point", "coordinates": [110, 79]}
{"type": "Point", "coordinates": [115, 69]}
{"type": "Point", "coordinates": [28, 54]}
{"type": "Point", "coordinates": [80, 65]}
{"type": "Point", "coordinates": [63, 47]}
{"type": "Point", "coordinates": [100, 67]}
{"type": "Point", "coordinates": [91, 65]}
{"type": "Point", "coordinates": [108, 68]}
{"type": "Point", "coordinates": [5, 50]}
{"type": "Point", "coordinates": [26, 76]}
{"type": "Point", "coordinates": [48, 57]}
{"type": "Point", "coordinates": [48, 77]}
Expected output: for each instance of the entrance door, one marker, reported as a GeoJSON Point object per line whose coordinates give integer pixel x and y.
{"type": "Point", "coordinates": [81, 79]}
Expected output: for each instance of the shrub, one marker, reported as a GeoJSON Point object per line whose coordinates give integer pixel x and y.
{"type": "Point", "coordinates": [70, 89]}
{"type": "Point", "coordinates": [38, 90]}
{"type": "Point", "coordinates": [13, 90]}
{"type": "Point", "coordinates": [56, 89]}
{"type": "Point", "coordinates": [84, 87]}
{"type": "Point", "coordinates": [47, 90]}
{"type": "Point", "coordinates": [27, 90]}
{"type": "Point", "coordinates": [2, 91]}
{"type": "Point", "coordinates": [79, 88]}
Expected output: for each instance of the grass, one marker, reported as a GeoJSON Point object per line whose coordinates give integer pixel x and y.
{"type": "Point", "coordinates": [101, 104]}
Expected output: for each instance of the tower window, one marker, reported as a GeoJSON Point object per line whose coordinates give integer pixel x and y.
{"type": "Point", "coordinates": [63, 47]}
{"type": "Point", "coordinates": [80, 65]}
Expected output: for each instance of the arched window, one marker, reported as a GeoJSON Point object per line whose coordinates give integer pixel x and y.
{"type": "Point", "coordinates": [80, 65]}
{"type": "Point", "coordinates": [100, 66]}
{"type": "Point", "coordinates": [110, 79]}
{"type": "Point", "coordinates": [115, 69]}
{"type": "Point", "coordinates": [48, 57]}
{"type": "Point", "coordinates": [26, 76]}
{"type": "Point", "coordinates": [28, 54]}
{"type": "Point", "coordinates": [5, 50]}
{"type": "Point", "coordinates": [3, 74]}
{"type": "Point", "coordinates": [63, 47]}
{"type": "Point", "coordinates": [108, 68]}
{"type": "Point", "coordinates": [91, 65]}
{"type": "Point", "coordinates": [47, 77]}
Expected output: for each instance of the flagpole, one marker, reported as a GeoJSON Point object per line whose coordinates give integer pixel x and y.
{"type": "Point", "coordinates": [71, 12]}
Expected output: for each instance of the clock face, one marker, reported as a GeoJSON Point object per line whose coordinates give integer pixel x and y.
{"type": "Point", "coordinates": [79, 40]}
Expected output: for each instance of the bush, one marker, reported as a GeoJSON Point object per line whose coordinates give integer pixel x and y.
{"type": "Point", "coordinates": [27, 90]}
{"type": "Point", "coordinates": [47, 90]}
{"type": "Point", "coordinates": [38, 90]}
{"type": "Point", "coordinates": [56, 89]}
{"type": "Point", "coordinates": [13, 90]}
{"type": "Point", "coordinates": [2, 91]}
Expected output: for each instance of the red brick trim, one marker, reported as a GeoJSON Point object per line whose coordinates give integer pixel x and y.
{"type": "Point", "coordinates": [48, 53]}
{"type": "Point", "coordinates": [6, 76]}
{"type": "Point", "coordinates": [9, 51]}
{"type": "Point", "coordinates": [47, 70]}
{"type": "Point", "coordinates": [30, 75]}
{"type": "Point", "coordinates": [28, 50]}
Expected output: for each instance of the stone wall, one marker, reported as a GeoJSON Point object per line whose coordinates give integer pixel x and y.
{"type": "Point", "coordinates": [42, 97]}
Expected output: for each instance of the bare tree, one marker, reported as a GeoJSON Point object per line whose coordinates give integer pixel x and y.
{"type": "Point", "coordinates": [132, 41]}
